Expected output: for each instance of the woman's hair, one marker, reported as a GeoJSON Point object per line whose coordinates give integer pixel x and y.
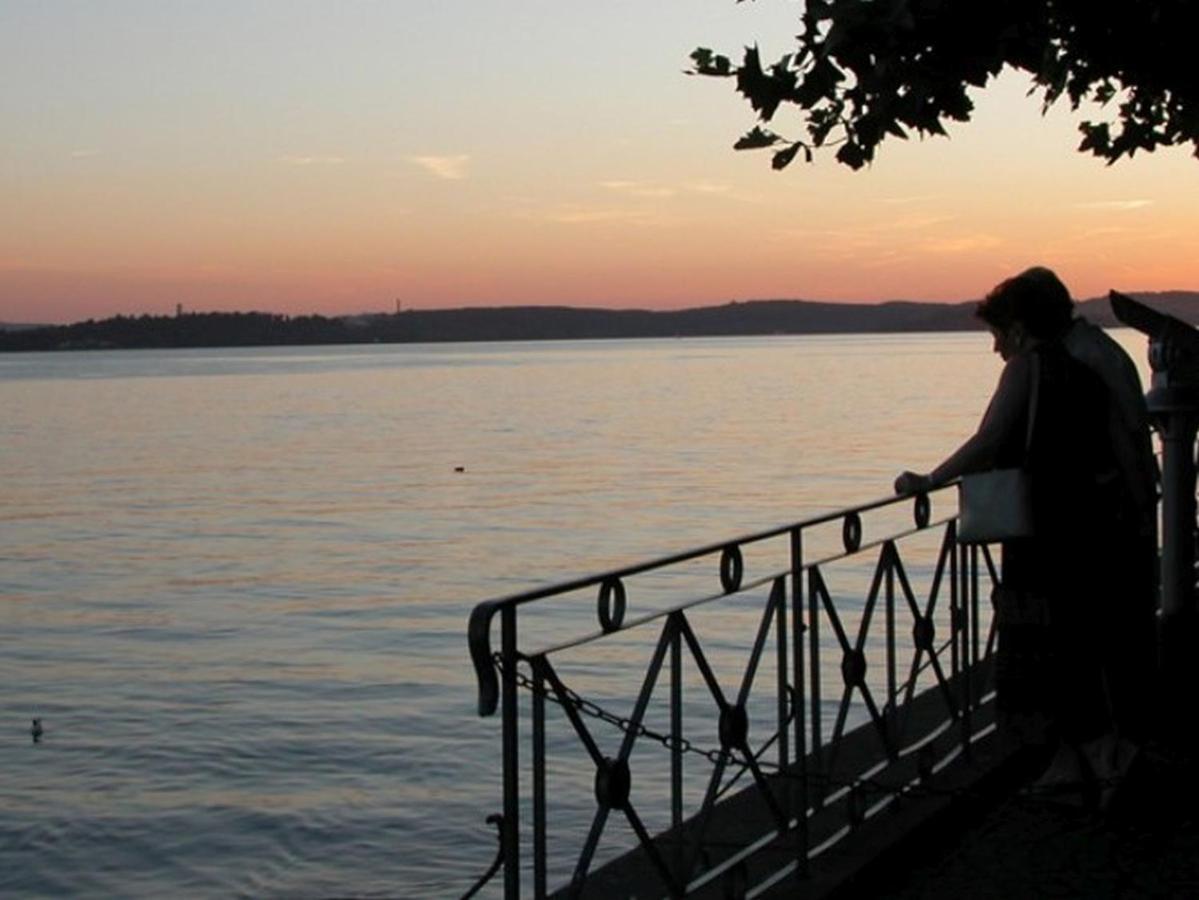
{"type": "Point", "coordinates": [1036, 298]}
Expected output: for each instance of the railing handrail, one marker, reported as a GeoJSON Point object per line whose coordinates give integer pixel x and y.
{"type": "Point", "coordinates": [479, 624]}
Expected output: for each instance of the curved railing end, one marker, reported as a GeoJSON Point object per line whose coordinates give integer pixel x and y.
{"type": "Point", "coordinates": [478, 632]}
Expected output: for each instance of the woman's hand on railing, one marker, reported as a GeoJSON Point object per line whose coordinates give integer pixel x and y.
{"type": "Point", "coordinates": [912, 483]}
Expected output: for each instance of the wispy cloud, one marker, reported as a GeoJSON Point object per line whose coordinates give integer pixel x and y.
{"type": "Point", "coordinates": [916, 223]}
{"type": "Point", "coordinates": [590, 215]}
{"type": "Point", "coordinates": [1115, 205]}
{"type": "Point", "coordinates": [965, 243]}
{"type": "Point", "coordinates": [84, 153]}
{"type": "Point", "coordinates": [904, 201]}
{"type": "Point", "coordinates": [639, 189]}
{"type": "Point", "coordinates": [295, 160]}
{"type": "Point", "coordinates": [708, 187]}
{"type": "Point", "coordinates": [1103, 231]}
{"type": "Point", "coordinates": [657, 191]}
{"type": "Point", "coordinates": [877, 233]}
{"type": "Point", "coordinates": [451, 168]}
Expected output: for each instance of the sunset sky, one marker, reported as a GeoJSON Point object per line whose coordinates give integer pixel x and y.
{"type": "Point", "coordinates": [301, 157]}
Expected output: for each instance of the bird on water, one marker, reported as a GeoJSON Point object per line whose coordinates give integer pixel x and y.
{"type": "Point", "coordinates": [36, 730]}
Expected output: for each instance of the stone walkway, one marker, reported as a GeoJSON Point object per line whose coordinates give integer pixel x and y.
{"type": "Point", "coordinates": [1030, 845]}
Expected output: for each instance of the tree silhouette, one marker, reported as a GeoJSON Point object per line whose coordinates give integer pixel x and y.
{"type": "Point", "coordinates": [864, 70]}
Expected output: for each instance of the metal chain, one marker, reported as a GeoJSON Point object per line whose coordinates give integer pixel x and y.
{"type": "Point", "coordinates": [717, 755]}
{"type": "Point", "coordinates": [587, 707]}
{"type": "Point", "coordinates": [669, 741]}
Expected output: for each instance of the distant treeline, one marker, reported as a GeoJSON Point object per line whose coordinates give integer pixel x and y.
{"type": "Point", "coordinates": [518, 323]}
{"type": "Point", "coordinates": [188, 330]}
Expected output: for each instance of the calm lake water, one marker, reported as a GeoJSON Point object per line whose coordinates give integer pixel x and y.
{"type": "Point", "coordinates": [234, 584]}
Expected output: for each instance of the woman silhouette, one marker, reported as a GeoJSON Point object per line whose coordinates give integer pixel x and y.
{"type": "Point", "coordinates": [1049, 677]}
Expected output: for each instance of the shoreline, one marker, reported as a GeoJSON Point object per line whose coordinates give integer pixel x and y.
{"type": "Point", "coordinates": [534, 323]}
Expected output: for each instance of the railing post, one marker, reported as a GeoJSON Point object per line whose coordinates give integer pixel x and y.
{"type": "Point", "coordinates": [783, 697]}
{"type": "Point", "coordinates": [961, 640]}
{"type": "Point", "coordinates": [511, 827]}
{"type": "Point", "coordinates": [956, 558]}
{"type": "Point", "coordinates": [539, 820]}
{"type": "Point", "coordinates": [975, 684]}
{"type": "Point", "coordinates": [676, 749]}
{"type": "Point", "coordinates": [969, 607]}
{"type": "Point", "coordinates": [801, 748]}
{"type": "Point", "coordinates": [889, 714]}
{"type": "Point", "coordinates": [816, 732]}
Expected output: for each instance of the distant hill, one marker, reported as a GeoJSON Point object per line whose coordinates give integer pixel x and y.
{"type": "Point", "coordinates": [1182, 305]}
{"type": "Point", "coordinates": [520, 323]}
{"type": "Point", "coordinates": [19, 326]}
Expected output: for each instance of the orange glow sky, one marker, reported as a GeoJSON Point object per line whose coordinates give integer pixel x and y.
{"type": "Point", "coordinates": [315, 157]}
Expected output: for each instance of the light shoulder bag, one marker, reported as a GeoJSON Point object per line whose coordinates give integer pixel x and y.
{"type": "Point", "coordinates": [997, 505]}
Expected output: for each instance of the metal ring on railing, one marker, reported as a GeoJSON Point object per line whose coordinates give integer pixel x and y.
{"type": "Point", "coordinates": [610, 605]}
{"type": "Point", "coordinates": [922, 510]}
{"type": "Point", "coordinates": [923, 633]}
{"type": "Point", "coordinates": [732, 568]}
{"type": "Point", "coordinates": [853, 668]}
{"type": "Point", "coordinates": [612, 783]}
{"type": "Point", "coordinates": [734, 727]}
{"type": "Point", "coordinates": [851, 532]}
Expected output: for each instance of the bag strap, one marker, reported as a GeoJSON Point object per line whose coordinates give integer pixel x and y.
{"type": "Point", "coordinates": [1034, 393]}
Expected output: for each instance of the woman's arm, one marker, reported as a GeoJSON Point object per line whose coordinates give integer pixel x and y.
{"type": "Point", "coordinates": [979, 451]}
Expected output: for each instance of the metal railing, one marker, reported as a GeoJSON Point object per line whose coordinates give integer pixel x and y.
{"type": "Point", "coordinates": [823, 603]}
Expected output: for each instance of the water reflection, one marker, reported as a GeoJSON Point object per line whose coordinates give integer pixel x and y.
{"type": "Point", "coordinates": [240, 579]}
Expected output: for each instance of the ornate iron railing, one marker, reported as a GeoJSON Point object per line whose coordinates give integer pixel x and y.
{"type": "Point", "coordinates": [822, 602]}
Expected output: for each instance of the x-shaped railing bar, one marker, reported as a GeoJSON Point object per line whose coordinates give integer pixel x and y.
{"type": "Point", "coordinates": [889, 570]}
{"type": "Point", "coordinates": [955, 565]}
{"type": "Point", "coordinates": [612, 774]}
{"type": "Point", "coordinates": [993, 634]}
{"type": "Point", "coordinates": [543, 669]}
{"type": "Point", "coordinates": [853, 662]}
{"type": "Point", "coordinates": [923, 632]}
{"type": "Point", "coordinates": [734, 723]}
{"type": "Point", "coordinates": [613, 781]}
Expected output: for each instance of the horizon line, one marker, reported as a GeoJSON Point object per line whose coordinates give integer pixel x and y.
{"type": "Point", "coordinates": [402, 309]}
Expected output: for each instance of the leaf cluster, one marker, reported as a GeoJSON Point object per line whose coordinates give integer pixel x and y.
{"type": "Point", "coordinates": [866, 70]}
